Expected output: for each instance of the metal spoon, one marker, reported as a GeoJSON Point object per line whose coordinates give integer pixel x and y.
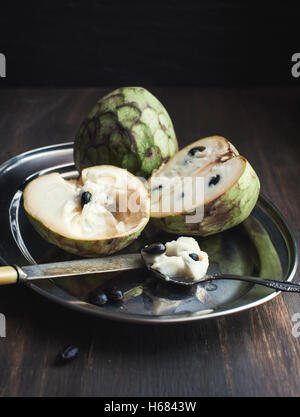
{"type": "Point", "coordinates": [179, 280]}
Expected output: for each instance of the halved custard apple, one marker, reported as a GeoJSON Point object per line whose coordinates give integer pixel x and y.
{"type": "Point", "coordinates": [100, 213]}
{"type": "Point", "coordinates": [209, 177]}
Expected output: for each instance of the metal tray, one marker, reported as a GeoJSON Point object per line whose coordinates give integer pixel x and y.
{"type": "Point", "coordinates": [262, 246]}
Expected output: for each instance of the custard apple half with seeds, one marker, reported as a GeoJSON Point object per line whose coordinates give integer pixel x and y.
{"type": "Point", "coordinates": [128, 128]}
{"type": "Point", "coordinates": [82, 216]}
{"type": "Point", "coordinates": [229, 194]}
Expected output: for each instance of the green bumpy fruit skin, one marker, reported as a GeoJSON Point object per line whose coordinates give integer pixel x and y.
{"type": "Point", "coordinates": [84, 248]}
{"type": "Point", "coordinates": [225, 212]}
{"type": "Point", "coordinates": [128, 128]}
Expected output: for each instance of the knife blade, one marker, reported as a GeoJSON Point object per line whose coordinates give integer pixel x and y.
{"type": "Point", "coordinates": [14, 274]}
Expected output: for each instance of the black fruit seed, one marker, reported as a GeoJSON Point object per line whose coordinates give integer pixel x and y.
{"type": "Point", "coordinates": [158, 188]}
{"type": "Point", "coordinates": [98, 298]}
{"type": "Point", "coordinates": [68, 354]}
{"type": "Point", "coordinates": [194, 256]}
{"type": "Point", "coordinates": [85, 198]}
{"type": "Point", "coordinates": [194, 151]}
{"type": "Point", "coordinates": [114, 295]}
{"type": "Point", "coordinates": [155, 249]}
{"type": "Point", "coordinates": [214, 180]}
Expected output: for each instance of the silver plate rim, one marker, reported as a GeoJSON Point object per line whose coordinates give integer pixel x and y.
{"type": "Point", "coordinates": [94, 311]}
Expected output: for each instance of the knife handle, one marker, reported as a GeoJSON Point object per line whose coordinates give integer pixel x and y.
{"type": "Point", "coordinates": [8, 275]}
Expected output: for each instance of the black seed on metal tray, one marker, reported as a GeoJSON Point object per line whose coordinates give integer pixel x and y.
{"type": "Point", "coordinates": [194, 256]}
{"type": "Point", "coordinates": [114, 295]}
{"type": "Point", "coordinates": [198, 149]}
{"type": "Point", "coordinates": [214, 180]}
{"type": "Point", "coordinates": [97, 298]}
{"type": "Point", "coordinates": [85, 198]}
{"type": "Point", "coordinates": [155, 249]}
{"type": "Point", "coordinates": [68, 354]}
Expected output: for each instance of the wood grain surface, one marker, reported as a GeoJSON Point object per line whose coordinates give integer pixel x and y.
{"type": "Point", "coordinates": [253, 353]}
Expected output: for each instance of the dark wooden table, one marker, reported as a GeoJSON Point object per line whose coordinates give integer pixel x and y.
{"type": "Point", "coordinates": [253, 353]}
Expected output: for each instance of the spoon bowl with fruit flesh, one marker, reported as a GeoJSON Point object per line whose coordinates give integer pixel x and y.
{"type": "Point", "coordinates": [151, 253]}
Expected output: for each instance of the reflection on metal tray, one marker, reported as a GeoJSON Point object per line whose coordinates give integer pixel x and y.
{"type": "Point", "coordinates": [263, 246]}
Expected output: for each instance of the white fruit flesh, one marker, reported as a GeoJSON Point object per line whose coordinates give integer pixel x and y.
{"type": "Point", "coordinates": [119, 203]}
{"type": "Point", "coordinates": [187, 165]}
{"type": "Point", "coordinates": [177, 262]}
{"type": "Point", "coordinates": [218, 165]}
